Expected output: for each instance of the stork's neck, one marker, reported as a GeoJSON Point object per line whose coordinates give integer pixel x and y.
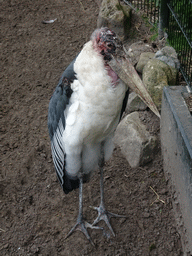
{"type": "Point", "coordinates": [112, 74]}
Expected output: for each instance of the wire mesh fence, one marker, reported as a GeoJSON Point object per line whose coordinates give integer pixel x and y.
{"type": "Point", "coordinates": [175, 18]}
{"type": "Point", "coordinates": [180, 34]}
{"type": "Point", "coordinates": [149, 7]}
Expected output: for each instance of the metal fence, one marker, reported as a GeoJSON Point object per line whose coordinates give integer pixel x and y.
{"type": "Point", "coordinates": [149, 7]}
{"type": "Point", "coordinates": [175, 18]}
{"type": "Point", "coordinates": [180, 34]}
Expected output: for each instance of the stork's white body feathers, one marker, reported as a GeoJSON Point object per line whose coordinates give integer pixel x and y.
{"type": "Point", "coordinates": [92, 114]}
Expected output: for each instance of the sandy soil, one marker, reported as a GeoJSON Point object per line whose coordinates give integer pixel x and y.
{"type": "Point", "coordinates": [35, 215]}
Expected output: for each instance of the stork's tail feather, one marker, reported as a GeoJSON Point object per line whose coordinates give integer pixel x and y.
{"type": "Point", "coordinates": [70, 183]}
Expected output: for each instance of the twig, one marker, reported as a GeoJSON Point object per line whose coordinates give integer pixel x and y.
{"type": "Point", "coordinates": [158, 198]}
{"type": "Point", "coordinates": [4, 158]}
{"type": "Point", "coordinates": [2, 230]}
{"type": "Point", "coordinates": [81, 5]}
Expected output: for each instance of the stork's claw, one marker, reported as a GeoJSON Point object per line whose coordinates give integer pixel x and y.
{"type": "Point", "coordinates": [82, 226]}
{"type": "Point", "coordinates": [106, 216]}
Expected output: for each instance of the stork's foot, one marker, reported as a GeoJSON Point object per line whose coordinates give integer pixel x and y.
{"type": "Point", "coordinates": [106, 216]}
{"type": "Point", "coordinates": [82, 226]}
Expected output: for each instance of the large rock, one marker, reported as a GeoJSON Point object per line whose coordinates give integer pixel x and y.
{"type": "Point", "coordinates": [157, 74]}
{"type": "Point", "coordinates": [135, 103]}
{"type": "Point", "coordinates": [136, 49]}
{"type": "Point", "coordinates": [136, 144]}
{"type": "Point", "coordinates": [169, 56]}
{"type": "Point", "coordinates": [115, 16]}
{"type": "Point", "coordinates": [144, 58]}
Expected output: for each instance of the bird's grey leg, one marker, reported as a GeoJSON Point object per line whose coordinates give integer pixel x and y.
{"type": "Point", "coordinates": [82, 225]}
{"type": "Point", "coordinates": [102, 213]}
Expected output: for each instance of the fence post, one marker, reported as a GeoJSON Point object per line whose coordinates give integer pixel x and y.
{"type": "Point", "coordinates": [163, 17]}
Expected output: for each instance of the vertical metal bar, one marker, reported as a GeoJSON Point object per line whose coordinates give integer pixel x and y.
{"type": "Point", "coordinates": [188, 63]}
{"type": "Point", "coordinates": [144, 5]}
{"type": "Point", "coordinates": [183, 50]}
{"type": "Point", "coordinates": [177, 43]}
{"type": "Point", "coordinates": [150, 10]}
{"type": "Point", "coordinates": [163, 17]}
{"type": "Point", "coordinates": [190, 69]}
{"type": "Point", "coordinates": [184, 16]}
{"type": "Point", "coordinates": [155, 16]}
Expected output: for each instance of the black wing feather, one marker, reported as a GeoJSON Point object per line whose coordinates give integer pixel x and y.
{"type": "Point", "coordinates": [124, 103]}
{"type": "Point", "coordinates": [60, 99]}
{"type": "Point", "coordinates": [56, 126]}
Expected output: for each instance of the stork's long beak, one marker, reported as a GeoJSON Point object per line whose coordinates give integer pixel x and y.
{"type": "Point", "coordinates": [125, 70]}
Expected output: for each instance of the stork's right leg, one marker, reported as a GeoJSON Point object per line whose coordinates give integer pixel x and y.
{"type": "Point", "coordinates": [82, 225]}
{"type": "Point", "coordinates": [103, 214]}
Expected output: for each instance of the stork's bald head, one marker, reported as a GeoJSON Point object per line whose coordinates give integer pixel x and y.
{"type": "Point", "coordinates": [105, 42]}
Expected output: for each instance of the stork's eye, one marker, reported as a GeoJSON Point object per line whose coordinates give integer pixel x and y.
{"type": "Point", "coordinates": [109, 45]}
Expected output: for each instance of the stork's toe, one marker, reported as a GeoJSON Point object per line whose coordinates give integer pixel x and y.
{"type": "Point", "coordinates": [82, 226]}
{"type": "Point", "coordinates": [105, 216]}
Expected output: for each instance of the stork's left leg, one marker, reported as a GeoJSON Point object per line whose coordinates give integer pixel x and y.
{"type": "Point", "coordinates": [102, 213]}
{"type": "Point", "coordinates": [82, 225]}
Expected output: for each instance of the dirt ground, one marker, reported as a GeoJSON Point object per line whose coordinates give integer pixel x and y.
{"type": "Point", "coordinates": [35, 215]}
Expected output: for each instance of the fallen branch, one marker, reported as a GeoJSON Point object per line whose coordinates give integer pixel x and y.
{"type": "Point", "coordinates": [158, 198]}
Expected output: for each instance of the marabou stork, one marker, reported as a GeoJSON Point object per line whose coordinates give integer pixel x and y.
{"type": "Point", "coordinates": [84, 112]}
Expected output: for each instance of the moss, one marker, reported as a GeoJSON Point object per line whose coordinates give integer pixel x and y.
{"type": "Point", "coordinates": [152, 247]}
{"type": "Point", "coordinates": [118, 6]}
{"type": "Point", "coordinates": [153, 37]}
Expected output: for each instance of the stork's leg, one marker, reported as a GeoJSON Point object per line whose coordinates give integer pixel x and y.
{"type": "Point", "coordinates": [82, 225]}
{"type": "Point", "coordinates": [102, 213]}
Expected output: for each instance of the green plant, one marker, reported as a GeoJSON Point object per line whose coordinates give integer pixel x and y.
{"type": "Point", "coordinates": [157, 2]}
